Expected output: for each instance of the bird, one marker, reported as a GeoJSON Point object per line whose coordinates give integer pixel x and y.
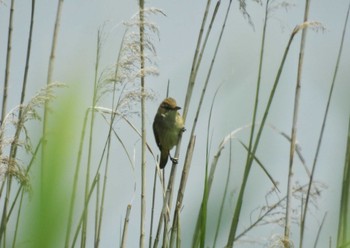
{"type": "Point", "coordinates": [168, 125]}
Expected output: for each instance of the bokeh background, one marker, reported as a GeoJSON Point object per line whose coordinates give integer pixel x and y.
{"type": "Point", "coordinates": [235, 71]}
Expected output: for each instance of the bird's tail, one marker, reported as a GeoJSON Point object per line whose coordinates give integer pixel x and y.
{"type": "Point", "coordinates": [164, 154]}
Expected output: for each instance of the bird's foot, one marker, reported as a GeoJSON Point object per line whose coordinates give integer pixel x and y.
{"type": "Point", "coordinates": [174, 160]}
{"type": "Point", "coordinates": [183, 129]}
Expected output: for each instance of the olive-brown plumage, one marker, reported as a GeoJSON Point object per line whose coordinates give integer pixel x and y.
{"type": "Point", "coordinates": [167, 125]}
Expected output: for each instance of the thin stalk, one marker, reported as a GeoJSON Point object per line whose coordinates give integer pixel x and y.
{"type": "Point", "coordinates": [85, 209]}
{"type": "Point", "coordinates": [261, 217]}
{"type": "Point", "coordinates": [195, 63]}
{"type": "Point", "coordinates": [163, 215]}
{"type": "Point", "coordinates": [249, 162]}
{"type": "Point", "coordinates": [143, 124]}
{"type": "Point", "coordinates": [204, 204]}
{"type": "Point", "coordinates": [29, 46]}
{"type": "Point", "coordinates": [223, 196]}
{"type": "Point", "coordinates": [126, 225]}
{"type": "Point", "coordinates": [323, 127]}
{"type": "Point", "coordinates": [294, 128]}
{"type": "Point", "coordinates": [343, 221]}
{"type": "Point", "coordinates": [48, 81]}
{"type": "Point", "coordinates": [17, 221]}
{"type": "Point", "coordinates": [113, 115]}
{"type": "Point", "coordinates": [319, 230]}
{"type": "Point", "coordinates": [165, 231]}
{"type": "Point", "coordinates": [257, 160]}
{"type": "Point", "coordinates": [3, 114]}
{"type": "Point", "coordinates": [8, 63]}
{"type": "Point", "coordinates": [181, 191]}
{"type": "Point", "coordinates": [92, 122]}
{"type": "Point", "coordinates": [19, 126]}
{"type": "Point", "coordinates": [96, 235]}
{"type": "Point", "coordinates": [153, 203]}
{"type": "Point", "coordinates": [75, 180]}
{"type": "Point", "coordinates": [257, 92]}
{"type": "Point", "coordinates": [178, 233]}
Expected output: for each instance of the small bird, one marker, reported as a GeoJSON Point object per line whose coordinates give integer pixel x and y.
{"type": "Point", "coordinates": [167, 126]}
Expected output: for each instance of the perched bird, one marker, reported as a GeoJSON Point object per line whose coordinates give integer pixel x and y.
{"type": "Point", "coordinates": [167, 126]}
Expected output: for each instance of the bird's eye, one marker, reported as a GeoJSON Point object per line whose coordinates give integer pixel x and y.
{"type": "Point", "coordinates": [167, 107]}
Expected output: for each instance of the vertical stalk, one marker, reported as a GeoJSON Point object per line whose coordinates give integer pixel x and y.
{"type": "Point", "coordinates": [143, 124]}
{"type": "Point", "coordinates": [92, 121]}
{"type": "Point", "coordinates": [126, 226]}
{"type": "Point", "coordinates": [343, 221]}
{"type": "Point", "coordinates": [152, 209]}
{"type": "Point", "coordinates": [75, 181]}
{"type": "Point", "coordinates": [323, 127]}
{"type": "Point", "coordinates": [3, 114]}
{"type": "Point", "coordinates": [48, 81]}
{"type": "Point", "coordinates": [294, 128]}
{"type": "Point", "coordinates": [258, 80]}
{"type": "Point", "coordinates": [8, 62]}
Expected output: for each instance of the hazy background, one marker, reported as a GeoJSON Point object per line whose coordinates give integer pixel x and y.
{"type": "Point", "coordinates": [235, 70]}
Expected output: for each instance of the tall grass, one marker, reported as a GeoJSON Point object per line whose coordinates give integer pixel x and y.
{"type": "Point", "coordinates": [71, 209]}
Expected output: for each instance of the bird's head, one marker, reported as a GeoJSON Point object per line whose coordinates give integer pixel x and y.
{"type": "Point", "coordinates": [168, 105]}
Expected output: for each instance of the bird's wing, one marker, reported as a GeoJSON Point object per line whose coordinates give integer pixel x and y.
{"type": "Point", "coordinates": [155, 131]}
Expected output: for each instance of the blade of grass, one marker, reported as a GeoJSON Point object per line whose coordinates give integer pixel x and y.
{"type": "Point", "coordinates": [343, 221]}
{"type": "Point", "coordinates": [319, 230]}
{"type": "Point", "coordinates": [297, 148]}
{"type": "Point", "coordinates": [262, 167]}
{"type": "Point", "coordinates": [205, 190]}
{"type": "Point", "coordinates": [257, 93]}
{"type": "Point", "coordinates": [196, 235]}
{"type": "Point", "coordinates": [223, 196]}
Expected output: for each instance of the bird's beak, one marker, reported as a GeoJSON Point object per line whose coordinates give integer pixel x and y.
{"type": "Point", "coordinates": [177, 107]}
